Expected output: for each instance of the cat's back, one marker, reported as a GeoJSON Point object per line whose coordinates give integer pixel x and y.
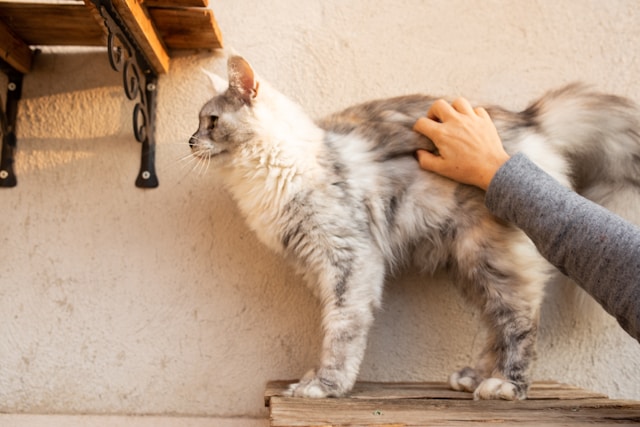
{"type": "Point", "coordinates": [382, 127]}
{"type": "Point", "coordinates": [369, 150]}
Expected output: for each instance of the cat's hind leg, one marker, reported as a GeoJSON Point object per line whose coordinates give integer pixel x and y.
{"type": "Point", "coordinates": [503, 369]}
{"type": "Point", "coordinates": [508, 288]}
{"type": "Point", "coordinates": [350, 292]}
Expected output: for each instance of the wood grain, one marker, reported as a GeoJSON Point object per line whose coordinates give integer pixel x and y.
{"type": "Point", "coordinates": [51, 24]}
{"type": "Point", "coordinates": [14, 50]}
{"type": "Point", "coordinates": [176, 3]}
{"type": "Point", "coordinates": [191, 28]}
{"type": "Point", "coordinates": [433, 404]}
{"type": "Point", "coordinates": [143, 29]}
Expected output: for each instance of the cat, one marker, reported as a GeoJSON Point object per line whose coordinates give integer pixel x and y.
{"type": "Point", "coordinates": [344, 199]}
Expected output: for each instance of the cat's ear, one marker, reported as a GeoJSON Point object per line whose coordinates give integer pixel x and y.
{"type": "Point", "coordinates": [242, 79]}
{"type": "Point", "coordinates": [218, 84]}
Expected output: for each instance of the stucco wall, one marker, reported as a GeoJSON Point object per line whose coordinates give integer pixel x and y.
{"type": "Point", "coordinates": [118, 300]}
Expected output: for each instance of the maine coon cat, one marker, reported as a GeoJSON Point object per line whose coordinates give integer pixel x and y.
{"type": "Point", "coordinates": [344, 200]}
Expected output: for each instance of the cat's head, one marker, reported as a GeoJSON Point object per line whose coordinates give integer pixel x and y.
{"type": "Point", "coordinates": [228, 120]}
{"type": "Point", "coordinates": [248, 120]}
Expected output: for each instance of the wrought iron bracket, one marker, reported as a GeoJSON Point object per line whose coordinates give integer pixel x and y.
{"type": "Point", "coordinates": [139, 81]}
{"type": "Point", "coordinates": [8, 125]}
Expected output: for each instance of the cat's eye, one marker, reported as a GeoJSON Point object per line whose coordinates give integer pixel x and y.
{"type": "Point", "coordinates": [213, 121]}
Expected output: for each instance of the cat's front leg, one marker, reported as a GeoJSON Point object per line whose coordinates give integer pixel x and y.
{"type": "Point", "coordinates": [343, 349]}
{"type": "Point", "coordinates": [348, 306]}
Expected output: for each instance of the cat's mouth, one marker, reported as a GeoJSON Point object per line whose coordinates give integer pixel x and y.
{"type": "Point", "coordinates": [204, 149]}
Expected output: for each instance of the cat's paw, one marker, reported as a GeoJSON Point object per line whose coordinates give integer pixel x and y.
{"type": "Point", "coordinates": [313, 389]}
{"type": "Point", "coordinates": [466, 379]}
{"type": "Point", "coordinates": [315, 386]}
{"type": "Point", "coordinates": [496, 388]}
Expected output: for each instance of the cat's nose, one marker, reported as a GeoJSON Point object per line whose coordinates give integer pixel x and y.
{"type": "Point", "coordinates": [192, 141]}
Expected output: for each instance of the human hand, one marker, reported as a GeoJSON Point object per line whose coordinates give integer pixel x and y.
{"type": "Point", "coordinates": [469, 148]}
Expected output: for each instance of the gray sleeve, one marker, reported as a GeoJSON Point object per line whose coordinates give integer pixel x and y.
{"type": "Point", "coordinates": [596, 248]}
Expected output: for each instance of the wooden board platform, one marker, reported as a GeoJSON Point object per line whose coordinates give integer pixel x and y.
{"type": "Point", "coordinates": [434, 404]}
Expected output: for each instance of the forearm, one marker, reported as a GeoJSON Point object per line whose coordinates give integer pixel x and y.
{"type": "Point", "coordinates": [596, 248]}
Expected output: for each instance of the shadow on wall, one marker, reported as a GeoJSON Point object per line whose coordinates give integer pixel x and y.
{"type": "Point", "coordinates": [74, 69]}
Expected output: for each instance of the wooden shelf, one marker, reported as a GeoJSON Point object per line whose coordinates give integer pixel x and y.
{"type": "Point", "coordinates": [161, 27]}
{"type": "Point", "coordinates": [434, 404]}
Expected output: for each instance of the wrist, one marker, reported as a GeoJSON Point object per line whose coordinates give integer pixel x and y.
{"type": "Point", "coordinates": [491, 169]}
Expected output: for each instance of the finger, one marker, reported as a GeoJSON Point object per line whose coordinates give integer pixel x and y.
{"type": "Point", "coordinates": [463, 106]}
{"type": "Point", "coordinates": [427, 160]}
{"type": "Point", "coordinates": [440, 110]}
{"type": "Point", "coordinates": [481, 112]}
{"type": "Point", "coordinates": [426, 126]}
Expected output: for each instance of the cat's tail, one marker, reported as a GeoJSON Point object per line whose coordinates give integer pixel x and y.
{"type": "Point", "coordinates": [598, 135]}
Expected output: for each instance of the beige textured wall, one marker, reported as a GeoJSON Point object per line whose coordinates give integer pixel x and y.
{"type": "Point", "coordinates": [117, 300]}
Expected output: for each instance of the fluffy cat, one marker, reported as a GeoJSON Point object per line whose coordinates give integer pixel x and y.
{"type": "Point", "coordinates": [344, 199]}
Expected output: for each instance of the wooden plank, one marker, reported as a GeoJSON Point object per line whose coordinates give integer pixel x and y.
{"type": "Point", "coordinates": [433, 412]}
{"type": "Point", "coordinates": [97, 17]}
{"type": "Point", "coordinates": [190, 28]}
{"type": "Point", "coordinates": [14, 50]}
{"type": "Point", "coordinates": [545, 390]}
{"type": "Point", "coordinates": [439, 390]}
{"type": "Point", "coordinates": [176, 3]}
{"type": "Point", "coordinates": [433, 404]}
{"type": "Point", "coordinates": [143, 29]}
{"type": "Point", "coordinates": [553, 390]}
{"type": "Point", "coordinates": [52, 24]}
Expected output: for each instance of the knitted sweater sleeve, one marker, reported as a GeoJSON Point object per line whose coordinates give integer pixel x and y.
{"type": "Point", "coordinates": [596, 248]}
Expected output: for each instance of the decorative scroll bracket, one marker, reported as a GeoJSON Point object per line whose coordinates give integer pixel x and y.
{"type": "Point", "coordinates": [8, 125]}
{"type": "Point", "coordinates": [140, 81]}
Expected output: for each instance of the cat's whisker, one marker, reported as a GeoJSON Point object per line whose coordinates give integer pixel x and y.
{"type": "Point", "coordinates": [187, 161]}
{"type": "Point", "coordinates": [198, 165]}
{"type": "Point", "coordinates": [187, 158]}
{"type": "Point", "coordinates": [208, 162]}
{"type": "Point", "coordinates": [195, 165]}
{"type": "Point", "coordinates": [184, 143]}
{"type": "Point", "coordinates": [204, 165]}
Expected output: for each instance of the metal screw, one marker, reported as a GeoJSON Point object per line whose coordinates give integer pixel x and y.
{"type": "Point", "coordinates": [11, 86]}
{"type": "Point", "coordinates": [151, 87]}
{"type": "Point", "coordinates": [146, 175]}
{"type": "Point", "coordinates": [4, 174]}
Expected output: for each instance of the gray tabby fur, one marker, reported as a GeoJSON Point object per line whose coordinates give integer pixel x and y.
{"type": "Point", "coordinates": [346, 202]}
